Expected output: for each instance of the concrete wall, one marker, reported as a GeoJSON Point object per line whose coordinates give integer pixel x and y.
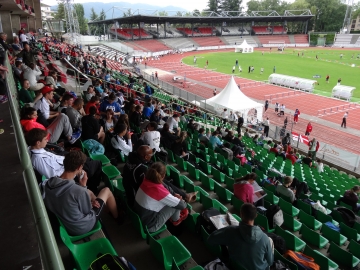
{"type": "Point", "coordinates": [6, 23]}
{"type": "Point", "coordinates": [15, 21]}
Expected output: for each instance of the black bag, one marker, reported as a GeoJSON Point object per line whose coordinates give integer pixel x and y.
{"type": "Point", "coordinates": [279, 242]}
{"type": "Point", "coordinates": [271, 212]}
{"type": "Point", "coordinates": [227, 153]}
{"type": "Point", "coordinates": [348, 216]}
{"type": "Point", "coordinates": [279, 265]}
{"type": "Point", "coordinates": [204, 220]}
{"type": "Point", "coordinates": [108, 261]}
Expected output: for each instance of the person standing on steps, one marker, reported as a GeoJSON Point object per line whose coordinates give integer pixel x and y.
{"type": "Point", "coordinates": [308, 129]}
{"type": "Point", "coordinates": [266, 106]}
{"type": "Point", "coordinates": [266, 127]}
{"type": "Point", "coordinates": [296, 116]}
{"type": "Point", "coordinates": [343, 123]}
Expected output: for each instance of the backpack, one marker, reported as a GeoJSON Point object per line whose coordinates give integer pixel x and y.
{"type": "Point", "coordinates": [216, 265]}
{"type": "Point", "coordinates": [279, 265]}
{"type": "Point", "coordinates": [279, 242]}
{"type": "Point", "coordinates": [275, 216]}
{"type": "Point", "coordinates": [227, 153]}
{"type": "Point", "coordinates": [302, 261]}
{"type": "Point", "coordinates": [347, 215]}
{"type": "Point", "coordinates": [204, 220]}
{"type": "Point", "coordinates": [108, 261]}
{"type": "Point", "coordinates": [94, 147]}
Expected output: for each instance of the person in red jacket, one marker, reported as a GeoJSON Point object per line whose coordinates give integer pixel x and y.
{"type": "Point", "coordinates": [60, 125]}
{"type": "Point", "coordinates": [296, 116]}
{"type": "Point", "coordinates": [291, 157]}
{"type": "Point", "coordinates": [308, 129]}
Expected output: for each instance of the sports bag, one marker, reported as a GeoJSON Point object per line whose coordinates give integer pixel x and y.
{"type": "Point", "coordinates": [279, 265]}
{"type": "Point", "coordinates": [108, 261]}
{"type": "Point", "coordinates": [216, 265]}
{"type": "Point", "coordinates": [279, 242]}
{"type": "Point", "coordinates": [204, 220]}
{"type": "Point", "coordinates": [302, 261]}
{"type": "Point", "coordinates": [275, 216]}
{"type": "Point", "coordinates": [347, 215]}
{"type": "Point", "coordinates": [227, 153]}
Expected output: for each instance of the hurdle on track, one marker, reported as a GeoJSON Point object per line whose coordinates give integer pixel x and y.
{"type": "Point", "coordinates": [338, 109]}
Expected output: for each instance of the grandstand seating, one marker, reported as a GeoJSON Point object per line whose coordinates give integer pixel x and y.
{"type": "Point", "coordinates": [178, 43]}
{"type": "Point", "coordinates": [208, 41]}
{"type": "Point", "coordinates": [346, 40]}
{"type": "Point", "coordinates": [267, 30]}
{"type": "Point", "coordinates": [153, 46]}
{"type": "Point", "coordinates": [233, 31]}
{"type": "Point", "coordinates": [301, 39]}
{"type": "Point", "coordinates": [231, 40]}
{"type": "Point", "coordinates": [187, 31]}
{"type": "Point", "coordinates": [274, 39]}
{"type": "Point", "coordinates": [138, 33]}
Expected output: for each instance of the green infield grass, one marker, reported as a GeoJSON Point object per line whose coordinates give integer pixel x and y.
{"type": "Point", "coordinates": [289, 63]}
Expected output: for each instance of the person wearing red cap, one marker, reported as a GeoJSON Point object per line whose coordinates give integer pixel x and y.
{"type": "Point", "coordinates": [43, 104]}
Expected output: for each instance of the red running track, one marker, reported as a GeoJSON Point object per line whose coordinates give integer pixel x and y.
{"type": "Point", "coordinates": [307, 103]}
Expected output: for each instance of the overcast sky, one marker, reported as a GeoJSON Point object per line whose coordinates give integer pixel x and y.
{"type": "Point", "coordinates": [186, 4]}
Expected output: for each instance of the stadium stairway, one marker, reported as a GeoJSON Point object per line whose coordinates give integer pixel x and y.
{"type": "Point", "coordinates": [354, 39]}
{"type": "Point", "coordinates": [292, 39]}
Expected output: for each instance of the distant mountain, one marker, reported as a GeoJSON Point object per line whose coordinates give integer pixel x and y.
{"type": "Point", "coordinates": [123, 7]}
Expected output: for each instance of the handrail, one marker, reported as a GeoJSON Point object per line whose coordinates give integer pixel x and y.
{"type": "Point", "coordinates": [49, 252]}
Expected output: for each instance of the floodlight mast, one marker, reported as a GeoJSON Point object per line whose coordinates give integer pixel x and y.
{"type": "Point", "coordinates": [72, 22]}
{"type": "Point", "coordinates": [347, 19]}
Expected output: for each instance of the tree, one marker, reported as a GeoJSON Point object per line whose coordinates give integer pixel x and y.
{"type": "Point", "coordinates": [93, 16]}
{"type": "Point", "coordinates": [162, 13]}
{"type": "Point", "coordinates": [102, 15]}
{"type": "Point", "coordinates": [79, 9]}
{"type": "Point", "coordinates": [128, 13]}
{"type": "Point", "coordinates": [231, 5]}
{"type": "Point", "coordinates": [265, 5]}
{"type": "Point", "coordinates": [356, 11]}
{"type": "Point", "coordinates": [214, 5]}
{"type": "Point", "coordinates": [60, 12]}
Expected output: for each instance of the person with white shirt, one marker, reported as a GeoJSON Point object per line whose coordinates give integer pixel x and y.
{"type": "Point", "coordinates": [31, 74]}
{"type": "Point", "coordinates": [224, 115]}
{"type": "Point", "coordinates": [343, 123]}
{"type": "Point", "coordinates": [232, 118]}
{"type": "Point", "coordinates": [173, 122]}
{"type": "Point", "coordinates": [24, 39]}
{"type": "Point", "coordinates": [151, 136]}
{"type": "Point", "coordinates": [119, 142]}
{"type": "Point", "coordinates": [50, 165]}
{"type": "Point", "coordinates": [282, 110]}
{"type": "Point", "coordinates": [43, 104]}
{"type": "Point", "coordinates": [266, 127]}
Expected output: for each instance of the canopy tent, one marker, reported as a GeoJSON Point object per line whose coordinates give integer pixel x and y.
{"type": "Point", "coordinates": [233, 99]}
{"type": "Point", "coordinates": [244, 48]}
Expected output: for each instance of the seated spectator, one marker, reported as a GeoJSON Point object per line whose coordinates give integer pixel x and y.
{"type": "Point", "coordinates": [291, 157]}
{"type": "Point", "coordinates": [66, 101]}
{"type": "Point", "coordinates": [155, 116]}
{"type": "Point", "coordinates": [60, 125]}
{"type": "Point", "coordinates": [168, 138]}
{"type": "Point", "coordinates": [191, 125]}
{"type": "Point", "coordinates": [31, 73]}
{"type": "Point", "coordinates": [286, 140]}
{"type": "Point", "coordinates": [151, 136]}
{"type": "Point", "coordinates": [308, 160]}
{"type": "Point", "coordinates": [76, 206]}
{"type": "Point", "coordinates": [16, 46]}
{"type": "Point", "coordinates": [203, 137]}
{"type": "Point", "coordinates": [28, 56]}
{"type": "Point", "coordinates": [74, 114]}
{"type": "Point", "coordinates": [214, 139]}
{"type": "Point", "coordinates": [147, 90]}
{"type": "Point", "coordinates": [135, 117]}
{"type": "Point", "coordinates": [43, 105]}
{"type": "Point", "coordinates": [351, 197]}
{"type": "Point", "coordinates": [183, 118]}
{"type": "Point", "coordinates": [179, 147]}
{"type": "Point", "coordinates": [94, 102]}
{"type": "Point", "coordinates": [229, 137]}
{"type": "Point", "coordinates": [243, 189]}
{"type": "Point", "coordinates": [320, 165]}
{"type": "Point", "coordinates": [91, 129]}
{"type": "Point", "coordinates": [24, 94]}
{"type": "Point", "coordinates": [267, 145]}
{"type": "Point", "coordinates": [50, 165]}
{"type": "Point", "coordinates": [110, 121]}
{"type": "Point", "coordinates": [247, 244]}
{"type": "Point", "coordinates": [247, 134]}
{"type": "Point", "coordinates": [173, 123]}
{"type": "Point", "coordinates": [98, 87]}
{"type": "Point", "coordinates": [110, 103]}
{"type": "Point", "coordinates": [292, 188]}
{"type": "Point", "coordinates": [282, 153]}
{"type": "Point", "coordinates": [155, 211]}
{"type": "Point", "coordinates": [274, 149]}
{"type": "Point", "coordinates": [90, 92]}
{"type": "Point", "coordinates": [147, 111]}
{"type": "Point", "coordinates": [52, 80]}
{"type": "Point", "coordinates": [18, 69]}
{"type": "Point", "coordinates": [119, 142]}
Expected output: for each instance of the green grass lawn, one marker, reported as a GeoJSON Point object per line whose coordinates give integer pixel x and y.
{"type": "Point", "coordinates": [289, 63]}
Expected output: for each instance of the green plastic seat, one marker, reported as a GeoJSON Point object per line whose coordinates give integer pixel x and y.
{"type": "Point", "coordinates": [349, 232]}
{"type": "Point", "coordinates": [342, 257]}
{"type": "Point", "coordinates": [237, 203]}
{"type": "Point", "coordinates": [102, 158]}
{"type": "Point", "coordinates": [309, 221]}
{"type": "Point", "coordinates": [271, 198]}
{"type": "Point", "coordinates": [354, 248]}
{"type": "Point", "coordinates": [288, 208]}
{"type": "Point", "coordinates": [357, 227]}
{"type": "Point", "coordinates": [291, 223]}
{"type": "Point", "coordinates": [214, 249]}
{"type": "Point", "coordinates": [167, 248]}
{"type": "Point", "coordinates": [217, 175]}
{"type": "Point", "coordinates": [229, 183]}
{"type": "Point", "coordinates": [208, 202]}
{"type": "Point", "coordinates": [333, 236]}
{"type": "Point", "coordinates": [176, 177]}
{"type": "Point", "coordinates": [323, 261]}
{"type": "Point", "coordinates": [84, 254]}
{"type": "Point", "coordinates": [207, 182]}
{"type": "Point", "coordinates": [170, 155]}
{"type": "Point", "coordinates": [192, 171]}
{"type": "Point", "coordinates": [307, 208]}
{"type": "Point", "coordinates": [278, 256]}
{"type": "Point", "coordinates": [96, 228]}
{"type": "Point", "coordinates": [181, 163]}
{"type": "Point", "coordinates": [262, 221]}
{"type": "Point", "coordinates": [176, 267]}
{"type": "Point", "coordinates": [136, 221]}
{"type": "Point", "coordinates": [111, 171]}
{"type": "Point", "coordinates": [204, 155]}
{"type": "Point", "coordinates": [292, 242]}
{"type": "Point", "coordinates": [205, 167]}
{"type": "Point", "coordinates": [190, 222]}
{"type": "Point", "coordinates": [223, 193]}
{"type": "Point", "coordinates": [320, 216]}
{"type": "Point", "coordinates": [312, 237]}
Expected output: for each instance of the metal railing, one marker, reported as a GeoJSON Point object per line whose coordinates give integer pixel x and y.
{"type": "Point", "coordinates": [49, 252]}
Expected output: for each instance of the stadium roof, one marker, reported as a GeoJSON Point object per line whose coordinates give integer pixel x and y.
{"type": "Point", "coordinates": [212, 17]}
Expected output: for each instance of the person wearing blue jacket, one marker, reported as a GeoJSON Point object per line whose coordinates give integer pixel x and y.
{"type": "Point", "coordinates": [147, 111]}
{"type": "Point", "coordinates": [247, 244]}
{"type": "Point", "coordinates": [147, 90]}
{"type": "Point", "coordinates": [110, 103]}
{"type": "Point", "coordinates": [214, 139]}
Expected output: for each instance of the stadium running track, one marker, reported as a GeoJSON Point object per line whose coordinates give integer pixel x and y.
{"type": "Point", "coordinates": [310, 104]}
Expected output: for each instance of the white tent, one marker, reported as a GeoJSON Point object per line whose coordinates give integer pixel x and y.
{"type": "Point", "coordinates": [234, 100]}
{"type": "Point", "coordinates": [244, 48]}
